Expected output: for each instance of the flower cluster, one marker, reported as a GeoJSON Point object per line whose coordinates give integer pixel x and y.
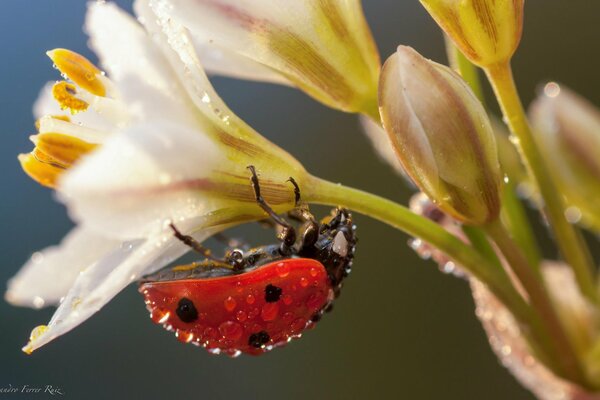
{"type": "Point", "coordinates": [144, 142]}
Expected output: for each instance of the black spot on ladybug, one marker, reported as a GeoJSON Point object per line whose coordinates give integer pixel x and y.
{"type": "Point", "coordinates": [259, 339]}
{"type": "Point", "coordinates": [272, 293]}
{"type": "Point", "coordinates": [317, 317]}
{"type": "Point", "coordinates": [186, 311]}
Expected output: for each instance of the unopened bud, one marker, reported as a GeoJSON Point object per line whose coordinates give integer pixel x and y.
{"type": "Point", "coordinates": [487, 31]}
{"type": "Point", "coordinates": [442, 136]}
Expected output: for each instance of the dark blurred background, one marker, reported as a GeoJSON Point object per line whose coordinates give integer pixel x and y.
{"type": "Point", "coordinates": [400, 330]}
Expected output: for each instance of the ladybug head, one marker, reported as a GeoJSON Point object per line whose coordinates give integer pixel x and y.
{"type": "Point", "coordinates": [336, 244]}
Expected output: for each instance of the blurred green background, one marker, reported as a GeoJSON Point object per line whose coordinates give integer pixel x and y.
{"type": "Point", "coordinates": [400, 330]}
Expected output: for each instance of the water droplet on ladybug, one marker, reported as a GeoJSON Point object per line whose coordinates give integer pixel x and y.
{"type": "Point", "coordinates": [315, 301]}
{"type": "Point", "coordinates": [269, 311]}
{"type": "Point", "coordinates": [250, 299]}
{"type": "Point", "coordinates": [303, 282]}
{"type": "Point", "coordinates": [287, 299]}
{"type": "Point", "coordinates": [241, 316]}
{"type": "Point", "coordinates": [209, 334]}
{"type": "Point", "coordinates": [288, 317]}
{"type": "Point", "coordinates": [283, 269]}
{"type": "Point", "coordinates": [230, 304]}
{"type": "Point", "coordinates": [231, 330]}
{"type": "Point", "coordinates": [184, 336]}
{"type": "Point", "coordinates": [314, 272]}
{"type": "Point", "coordinates": [298, 325]}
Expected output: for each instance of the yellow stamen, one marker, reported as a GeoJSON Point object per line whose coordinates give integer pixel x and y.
{"type": "Point", "coordinates": [79, 69]}
{"type": "Point", "coordinates": [43, 172]}
{"type": "Point", "coordinates": [65, 93]}
{"type": "Point", "coordinates": [60, 117]}
{"type": "Point", "coordinates": [63, 149]}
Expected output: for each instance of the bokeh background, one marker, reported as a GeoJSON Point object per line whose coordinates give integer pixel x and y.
{"type": "Point", "coordinates": [400, 330]}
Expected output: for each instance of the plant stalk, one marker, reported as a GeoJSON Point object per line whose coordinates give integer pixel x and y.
{"type": "Point", "coordinates": [569, 239]}
{"type": "Point", "coordinates": [532, 281]}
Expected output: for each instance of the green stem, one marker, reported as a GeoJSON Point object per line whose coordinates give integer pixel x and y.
{"type": "Point", "coordinates": [568, 237]}
{"type": "Point", "coordinates": [467, 70]}
{"type": "Point", "coordinates": [481, 243]}
{"type": "Point", "coordinates": [562, 349]}
{"type": "Point", "coordinates": [323, 192]}
{"type": "Point", "coordinates": [514, 216]}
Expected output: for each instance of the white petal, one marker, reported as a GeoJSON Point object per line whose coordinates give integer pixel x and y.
{"type": "Point", "coordinates": [124, 48]}
{"type": "Point", "coordinates": [49, 274]}
{"type": "Point", "coordinates": [140, 179]}
{"type": "Point", "coordinates": [216, 59]}
{"type": "Point", "coordinates": [99, 283]}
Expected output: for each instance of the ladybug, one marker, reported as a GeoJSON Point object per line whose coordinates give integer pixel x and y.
{"type": "Point", "coordinates": [256, 299]}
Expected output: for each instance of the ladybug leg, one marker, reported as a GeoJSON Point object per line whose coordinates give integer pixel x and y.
{"type": "Point", "coordinates": [199, 248]}
{"type": "Point", "coordinates": [288, 233]}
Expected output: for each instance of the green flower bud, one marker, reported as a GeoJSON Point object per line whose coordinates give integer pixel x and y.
{"type": "Point", "coordinates": [442, 136]}
{"type": "Point", "coordinates": [568, 131]}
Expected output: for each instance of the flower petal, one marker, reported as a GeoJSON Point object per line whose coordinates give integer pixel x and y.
{"type": "Point", "coordinates": [323, 47]}
{"type": "Point", "coordinates": [101, 281]}
{"type": "Point", "coordinates": [140, 179]}
{"type": "Point", "coordinates": [48, 275]}
{"type": "Point", "coordinates": [125, 49]}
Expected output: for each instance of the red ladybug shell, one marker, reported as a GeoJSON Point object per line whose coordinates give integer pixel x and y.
{"type": "Point", "coordinates": [251, 312]}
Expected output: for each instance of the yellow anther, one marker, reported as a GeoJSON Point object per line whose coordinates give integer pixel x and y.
{"type": "Point", "coordinates": [79, 69]}
{"type": "Point", "coordinates": [63, 149]}
{"type": "Point", "coordinates": [43, 172]}
{"type": "Point", "coordinates": [65, 93]}
{"type": "Point", "coordinates": [61, 117]}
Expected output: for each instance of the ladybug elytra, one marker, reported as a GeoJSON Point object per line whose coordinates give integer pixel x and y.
{"type": "Point", "coordinates": [254, 300]}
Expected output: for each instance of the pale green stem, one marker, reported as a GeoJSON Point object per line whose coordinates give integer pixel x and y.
{"type": "Point", "coordinates": [327, 193]}
{"type": "Point", "coordinates": [512, 208]}
{"type": "Point", "coordinates": [513, 214]}
{"type": "Point", "coordinates": [465, 68]}
{"type": "Point", "coordinates": [568, 237]}
{"type": "Point", "coordinates": [562, 349]}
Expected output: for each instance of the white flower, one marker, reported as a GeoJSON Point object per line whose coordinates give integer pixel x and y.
{"type": "Point", "coordinates": [151, 143]}
{"type": "Point", "coordinates": [325, 48]}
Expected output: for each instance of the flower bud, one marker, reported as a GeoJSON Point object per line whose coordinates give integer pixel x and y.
{"type": "Point", "coordinates": [568, 130]}
{"type": "Point", "coordinates": [441, 135]}
{"type": "Point", "coordinates": [487, 31]}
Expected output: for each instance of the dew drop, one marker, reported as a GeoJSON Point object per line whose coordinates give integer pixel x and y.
{"type": "Point", "coordinates": [184, 336]}
{"type": "Point", "coordinates": [269, 311]}
{"type": "Point", "coordinates": [298, 325]}
{"type": "Point", "coordinates": [231, 330]}
{"type": "Point", "coordinates": [230, 304]}
{"type": "Point", "coordinates": [250, 299]}
{"type": "Point", "coordinates": [283, 269]}
{"type": "Point", "coordinates": [287, 299]}
{"type": "Point", "coordinates": [573, 215]}
{"type": "Point", "coordinates": [241, 316]}
{"type": "Point", "coordinates": [209, 334]}
{"type": "Point", "coordinates": [303, 282]}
